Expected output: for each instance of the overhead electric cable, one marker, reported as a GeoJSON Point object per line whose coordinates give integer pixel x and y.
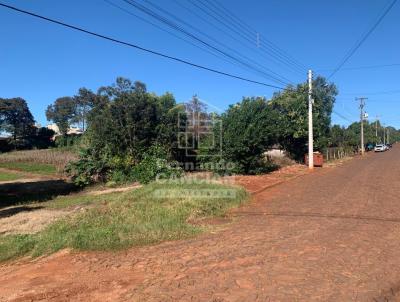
{"type": "Point", "coordinates": [134, 46]}
{"type": "Point", "coordinates": [363, 38]}
{"type": "Point", "coordinates": [167, 31]}
{"type": "Point", "coordinates": [361, 67]}
{"type": "Point", "coordinates": [238, 22]}
{"type": "Point", "coordinates": [173, 25]}
{"type": "Point", "coordinates": [232, 36]}
{"type": "Point", "coordinates": [232, 26]}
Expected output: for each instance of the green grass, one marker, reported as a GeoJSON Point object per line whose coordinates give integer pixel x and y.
{"type": "Point", "coordinates": [8, 176]}
{"type": "Point", "coordinates": [135, 218]}
{"type": "Point", "coordinates": [36, 168]}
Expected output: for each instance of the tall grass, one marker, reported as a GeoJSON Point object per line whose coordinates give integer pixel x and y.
{"type": "Point", "coordinates": [57, 158]}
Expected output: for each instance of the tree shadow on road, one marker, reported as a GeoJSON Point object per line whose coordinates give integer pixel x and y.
{"type": "Point", "coordinates": [37, 191]}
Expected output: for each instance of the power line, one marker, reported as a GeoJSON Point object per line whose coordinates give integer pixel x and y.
{"type": "Point", "coordinates": [162, 29]}
{"type": "Point", "coordinates": [285, 80]}
{"type": "Point", "coordinates": [135, 46]}
{"type": "Point", "coordinates": [342, 116]}
{"type": "Point", "coordinates": [167, 31]}
{"type": "Point", "coordinates": [352, 50]}
{"type": "Point", "coordinates": [234, 26]}
{"type": "Point", "coordinates": [227, 33]}
{"type": "Point", "coordinates": [238, 21]}
{"type": "Point", "coordinates": [175, 26]}
{"type": "Point", "coordinates": [361, 67]}
{"type": "Point", "coordinates": [373, 93]}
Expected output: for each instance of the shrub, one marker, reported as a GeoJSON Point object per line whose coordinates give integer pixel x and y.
{"type": "Point", "coordinates": [67, 141]}
{"type": "Point", "coordinates": [156, 165]}
{"type": "Point", "coordinates": [248, 130]}
{"type": "Point", "coordinates": [91, 167]}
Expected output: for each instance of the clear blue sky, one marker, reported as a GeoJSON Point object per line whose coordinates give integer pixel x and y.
{"type": "Point", "coordinates": [41, 62]}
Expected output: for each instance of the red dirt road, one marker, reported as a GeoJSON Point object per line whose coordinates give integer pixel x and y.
{"type": "Point", "coordinates": [333, 235]}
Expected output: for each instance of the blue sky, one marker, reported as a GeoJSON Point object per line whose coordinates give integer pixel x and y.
{"type": "Point", "coordinates": [41, 62]}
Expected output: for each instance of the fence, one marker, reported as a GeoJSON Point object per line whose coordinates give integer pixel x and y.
{"type": "Point", "coordinates": [335, 153]}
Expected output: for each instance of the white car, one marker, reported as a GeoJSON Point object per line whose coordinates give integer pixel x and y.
{"type": "Point", "coordinates": [380, 148]}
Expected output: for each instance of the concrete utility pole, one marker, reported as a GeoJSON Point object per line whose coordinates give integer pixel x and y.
{"type": "Point", "coordinates": [362, 104]}
{"type": "Point", "coordinates": [384, 135]}
{"type": "Point", "coordinates": [310, 123]}
{"type": "Point", "coordinates": [387, 140]}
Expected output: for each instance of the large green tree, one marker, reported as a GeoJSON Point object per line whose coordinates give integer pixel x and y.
{"type": "Point", "coordinates": [16, 118]}
{"type": "Point", "coordinates": [126, 119]}
{"type": "Point", "coordinates": [84, 102]}
{"type": "Point", "coordinates": [291, 107]}
{"type": "Point", "coordinates": [62, 113]}
{"type": "Point", "coordinates": [248, 130]}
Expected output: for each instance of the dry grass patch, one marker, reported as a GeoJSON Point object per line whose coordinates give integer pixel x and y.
{"type": "Point", "coordinates": [43, 159]}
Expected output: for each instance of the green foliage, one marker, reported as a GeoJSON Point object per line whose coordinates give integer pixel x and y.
{"type": "Point", "coordinates": [291, 107]}
{"type": "Point", "coordinates": [91, 166]}
{"type": "Point", "coordinates": [248, 130]}
{"type": "Point", "coordinates": [350, 137]}
{"type": "Point", "coordinates": [68, 141]}
{"type": "Point", "coordinates": [128, 120]}
{"type": "Point", "coordinates": [156, 164]}
{"type": "Point", "coordinates": [62, 113]}
{"type": "Point", "coordinates": [41, 139]}
{"type": "Point", "coordinates": [16, 118]}
{"type": "Point", "coordinates": [84, 102]}
{"type": "Point", "coordinates": [124, 122]}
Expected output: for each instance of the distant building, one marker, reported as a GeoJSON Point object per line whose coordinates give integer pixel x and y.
{"type": "Point", "coordinates": [72, 130]}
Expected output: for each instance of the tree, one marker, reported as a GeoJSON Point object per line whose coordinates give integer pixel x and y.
{"type": "Point", "coordinates": [249, 129]}
{"type": "Point", "coordinates": [62, 113]}
{"type": "Point", "coordinates": [16, 118]}
{"type": "Point", "coordinates": [42, 138]}
{"type": "Point", "coordinates": [124, 124]}
{"type": "Point", "coordinates": [84, 102]}
{"type": "Point", "coordinates": [126, 119]}
{"type": "Point", "coordinates": [337, 136]}
{"type": "Point", "coordinates": [291, 106]}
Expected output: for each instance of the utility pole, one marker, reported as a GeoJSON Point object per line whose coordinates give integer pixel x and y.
{"type": "Point", "coordinates": [384, 135]}
{"type": "Point", "coordinates": [387, 140]}
{"type": "Point", "coordinates": [310, 123]}
{"type": "Point", "coordinates": [362, 104]}
{"type": "Point", "coordinates": [376, 130]}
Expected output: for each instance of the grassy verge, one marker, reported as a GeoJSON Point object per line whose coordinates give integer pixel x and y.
{"type": "Point", "coordinates": [36, 168]}
{"type": "Point", "coordinates": [8, 176]}
{"type": "Point", "coordinates": [151, 214]}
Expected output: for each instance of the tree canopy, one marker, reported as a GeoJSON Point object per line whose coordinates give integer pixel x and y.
{"type": "Point", "coordinates": [62, 113]}
{"type": "Point", "coordinates": [16, 118]}
{"type": "Point", "coordinates": [291, 107]}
